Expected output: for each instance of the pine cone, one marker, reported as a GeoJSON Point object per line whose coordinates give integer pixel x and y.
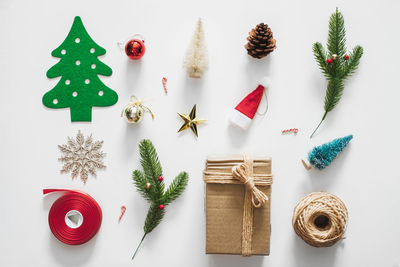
{"type": "Point", "coordinates": [261, 41]}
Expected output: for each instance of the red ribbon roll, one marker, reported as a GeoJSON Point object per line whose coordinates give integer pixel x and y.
{"type": "Point", "coordinates": [74, 201]}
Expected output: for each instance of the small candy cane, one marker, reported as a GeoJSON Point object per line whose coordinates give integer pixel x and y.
{"type": "Point", "coordinates": [294, 130]}
{"type": "Point", "coordinates": [123, 209]}
{"type": "Point", "coordinates": [164, 82]}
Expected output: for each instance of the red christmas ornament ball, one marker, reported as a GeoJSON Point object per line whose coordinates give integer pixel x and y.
{"type": "Point", "coordinates": [161, 207]}
{"type": "Point", "coordinates": [329, 61]}
{"type": "Point", "coordinates": [135, 49]}
{"type": "Point", "coordinates": [160, 178]}
{"type": "Point", "coordinates": [346, 57]}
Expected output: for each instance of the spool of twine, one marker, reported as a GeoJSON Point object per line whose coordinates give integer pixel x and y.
{"type": "Point", "coordinates": [320, 219]}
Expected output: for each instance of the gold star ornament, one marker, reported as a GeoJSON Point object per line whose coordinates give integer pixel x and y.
{"type": "Point", "coordinates": [190, 121]}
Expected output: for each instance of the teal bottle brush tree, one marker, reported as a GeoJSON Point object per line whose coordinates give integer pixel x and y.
{"type": "Point", "coordinates": [335, 63]}
{"type": "Point", "coordinates": [150, 184]}
{"type": "Point", "coordinates": [322, 156]}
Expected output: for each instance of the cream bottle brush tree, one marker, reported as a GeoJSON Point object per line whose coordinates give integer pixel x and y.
{"type": "Point", "coordinates": [196, 60]}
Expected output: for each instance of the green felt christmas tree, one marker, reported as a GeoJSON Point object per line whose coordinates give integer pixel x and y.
{"type": "Point", "coordinates": [150, 184]}
{"type": "Point", "coordinates": [79, 88]}
{"type": "Point", "coordinates": [334, 63]}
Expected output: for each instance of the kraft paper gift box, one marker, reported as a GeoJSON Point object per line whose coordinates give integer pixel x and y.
{"type": "Point", "coordinates": [237, 203]}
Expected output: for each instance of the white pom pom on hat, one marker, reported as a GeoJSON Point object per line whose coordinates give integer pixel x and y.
{"type": "Point", "coordinates": [265, 81]}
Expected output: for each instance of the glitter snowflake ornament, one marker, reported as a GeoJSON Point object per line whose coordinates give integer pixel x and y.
{"type": "Point", "coordinates": [82, 156]}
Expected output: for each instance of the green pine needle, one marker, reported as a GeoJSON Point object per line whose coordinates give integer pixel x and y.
{"type": "Point", "coordinates": [320, 57]}
{"type": "Point", "coordinates": [151, 164]}
{"type": "Point", "coordinates": [333, 94]}
{"type": "Point", "coordinates": [353, 61]}
{"type": "Point", "coordinates": [340, 69]}
{"type": "Point", "coordinates": [155, 195]}
{"type": "Point", "coordinates": [153, 218]}
{"type": "Point", "coordinates": [337, 35]}
{"type": "Point", "coordinates": [140, 182]}
{"type": "Point", "coordinates": [176, 188]}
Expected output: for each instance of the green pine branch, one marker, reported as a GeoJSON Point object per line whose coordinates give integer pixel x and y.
{"type": "Point", "coordinates": [151, 164]}
{"type": "Point", "coordinates": [153, 218]}
{"type": "Point", "coordinates": [320, 57]}
{"type": "Point", "coordinates": [140, 182]}
{"type": "Point", "coordinates": [337, 35]}
{"type": "Point", "coordinates": [333, 94]}
{"type": "Point", "coordinates": [340, 67]}
{"type": "Point", "coordinates": [353, 62]}
{"type": "Point", "coordinates": [175, 188]}
{"type": "Point", "coordinates": [155, 194]}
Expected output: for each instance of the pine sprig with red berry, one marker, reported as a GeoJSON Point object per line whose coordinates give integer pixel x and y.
{"type": "Point", "coordinates": [335, 64]}
{"type": "Point", "coordinates": [150, 184]}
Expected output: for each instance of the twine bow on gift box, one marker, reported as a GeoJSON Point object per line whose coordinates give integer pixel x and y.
{"type": "Point", "coordinates": [243, 173]}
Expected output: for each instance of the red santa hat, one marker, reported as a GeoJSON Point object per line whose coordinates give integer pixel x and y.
{"type": "Point", "coordinates": [244, 112]}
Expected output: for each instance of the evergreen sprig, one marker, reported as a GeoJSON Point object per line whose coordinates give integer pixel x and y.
{"type": "Point", "coordinates": [155, 195]}
{"type": "Point", "coordinates": [340, 67]}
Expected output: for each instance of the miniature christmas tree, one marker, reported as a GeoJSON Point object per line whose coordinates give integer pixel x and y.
{"type": "Point", "coordinates": [335, 64]}
{"type": "Point", "coordinates": [322, 156]}
{"type": "Point", "coordinates": [150, 184]}
{"type": "Point", "coordinates": [79, 88]}
{"type": "Point", "coordinates": [196, 61]}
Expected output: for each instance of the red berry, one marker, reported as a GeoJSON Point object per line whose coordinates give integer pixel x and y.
{"type": "Point", "coordinates": [160, 178]}
{"type": "Point", "coordinates": [329, 61]}
{"type": "Point", "coordinates": [346, 57]}
{"type": "Point", "coordinates": [161, 207]}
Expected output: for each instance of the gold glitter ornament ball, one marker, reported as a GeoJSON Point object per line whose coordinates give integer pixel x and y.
{"type": "Point", "coordinates": [133, 113]}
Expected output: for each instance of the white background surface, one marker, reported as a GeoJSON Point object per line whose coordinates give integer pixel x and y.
{"type": "Point", "coordinates": [365, 176]}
